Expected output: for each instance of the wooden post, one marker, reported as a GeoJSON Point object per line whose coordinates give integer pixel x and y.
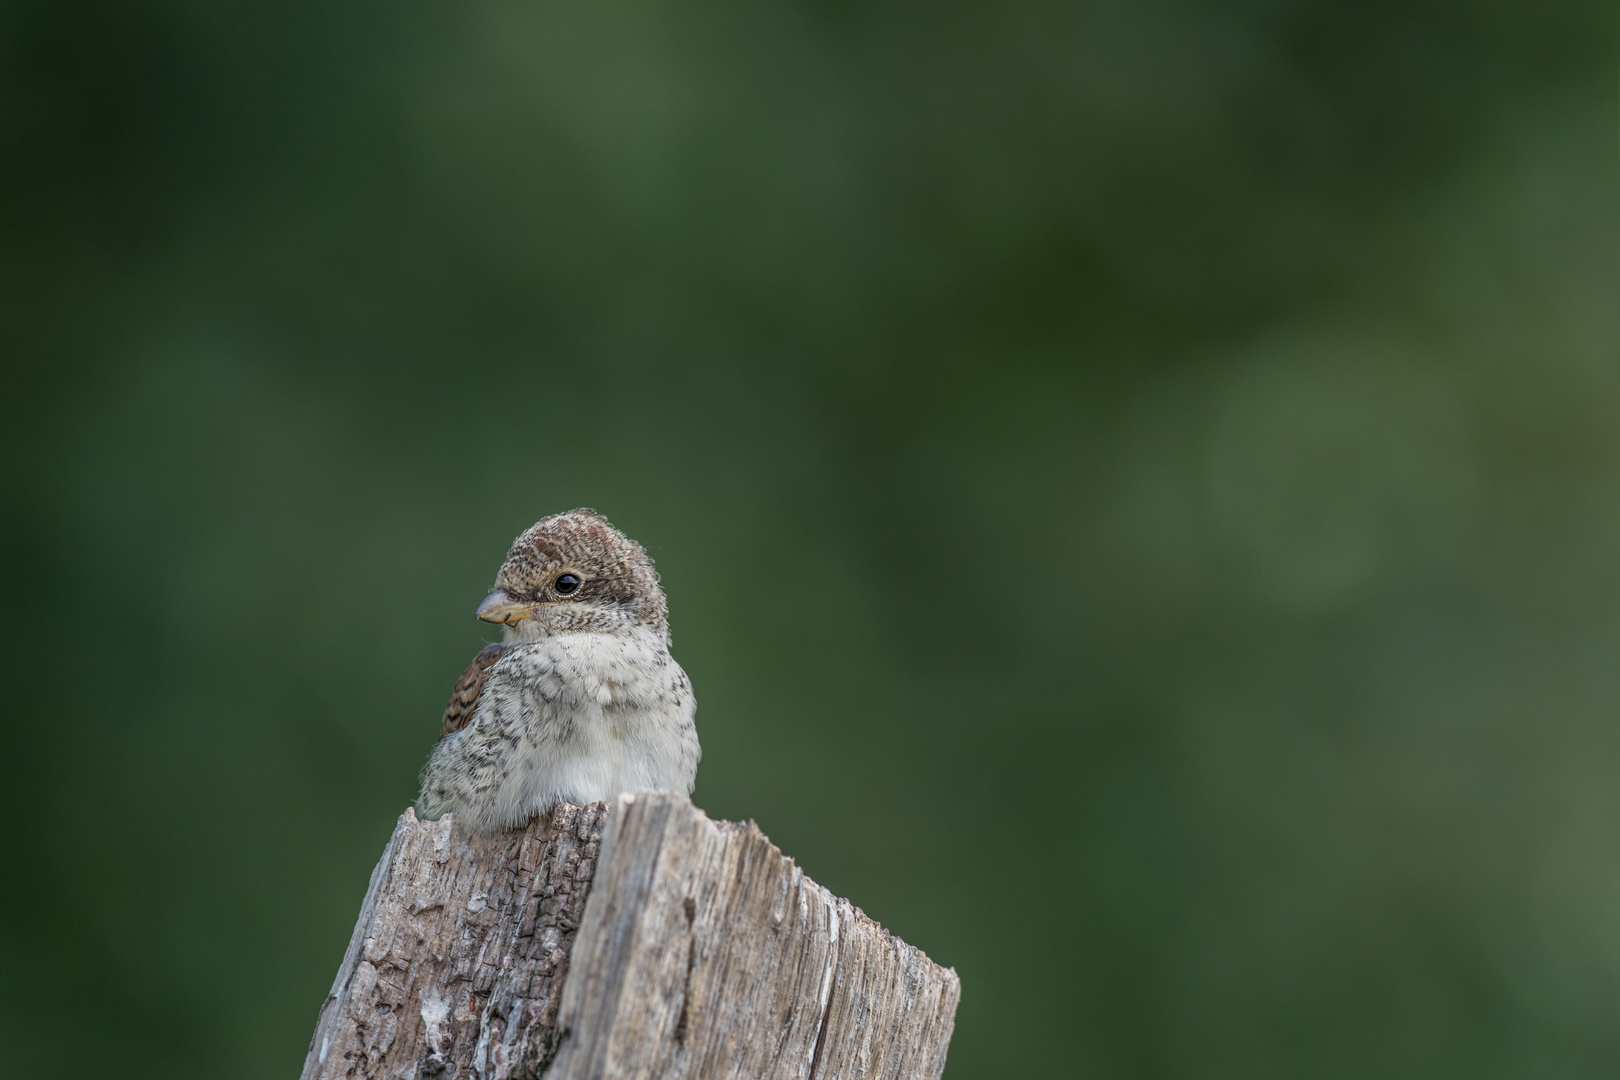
{"type": "Point", "coordinates": [650, 942]}
{"type": "Point", "coordinates": [460, 951]}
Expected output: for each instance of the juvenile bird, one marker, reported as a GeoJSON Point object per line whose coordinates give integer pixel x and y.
{"type": "Point", "coordinates": [581, 700]}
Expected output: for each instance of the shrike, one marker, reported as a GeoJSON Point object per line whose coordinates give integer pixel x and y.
{"type": "Point", "coordinates": [581, 700]}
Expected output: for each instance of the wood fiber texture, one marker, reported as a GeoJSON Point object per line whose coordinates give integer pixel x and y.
{"type": "Point", "coordinates": [456, 965]}
{"type": "Point", "coordinates": [706, 953]}
{"type": "Point", "coordinates": [700, 951]}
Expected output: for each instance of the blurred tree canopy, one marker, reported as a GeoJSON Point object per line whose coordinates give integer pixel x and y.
{"type": "Point", "coordinates": [1169, 451]}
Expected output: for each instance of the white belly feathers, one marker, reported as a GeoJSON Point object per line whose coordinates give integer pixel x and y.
{"type": "Point", "coordinates": [573, 717]}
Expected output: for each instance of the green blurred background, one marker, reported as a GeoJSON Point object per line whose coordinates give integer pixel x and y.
{"type": "Point", "coordinates": [1138, 487]}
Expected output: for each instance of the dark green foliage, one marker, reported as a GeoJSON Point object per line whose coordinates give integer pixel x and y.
{"type": "Point", "coordinates": [1169, 451]}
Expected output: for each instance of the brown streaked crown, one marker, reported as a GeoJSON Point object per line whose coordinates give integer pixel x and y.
{"type": "Point", "coordinates": [618, 578]}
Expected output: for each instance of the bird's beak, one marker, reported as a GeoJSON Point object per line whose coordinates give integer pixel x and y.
{"type": "Point", "coordinates": [500, 608]}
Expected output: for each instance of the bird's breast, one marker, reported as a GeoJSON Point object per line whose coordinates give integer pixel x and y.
{"type": "Point", "coordinates": [570, 718]}
{"type": "Point", "coordinates": [598, 693]}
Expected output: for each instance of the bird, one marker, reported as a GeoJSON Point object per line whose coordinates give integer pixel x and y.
{"type": "Point", "coordinates": [580, 701]}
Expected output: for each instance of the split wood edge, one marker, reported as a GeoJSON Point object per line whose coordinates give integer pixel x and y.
{"type": "Point", "coordinates": [652, 942]}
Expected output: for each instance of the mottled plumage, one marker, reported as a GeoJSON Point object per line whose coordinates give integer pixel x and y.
{"type": "Point", "coordinates": [582, 699]}
{"type": "Point", "coordinates": [458, 713]}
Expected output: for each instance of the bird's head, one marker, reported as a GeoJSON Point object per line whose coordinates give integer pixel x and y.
{"type": "Point", "coordinates": [574, 572]}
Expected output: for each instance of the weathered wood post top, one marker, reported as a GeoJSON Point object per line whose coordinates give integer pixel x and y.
{"type": "Point", "coordinates": [645, 942]}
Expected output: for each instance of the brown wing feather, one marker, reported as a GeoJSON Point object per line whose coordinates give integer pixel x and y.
{"type": "Point", "coordinates": [464, 698]}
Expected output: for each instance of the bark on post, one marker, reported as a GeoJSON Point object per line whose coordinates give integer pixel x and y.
{"type": "Point", "coordinates": [456, 964]}
{"type": "Point", "coordinates": [675, 946]}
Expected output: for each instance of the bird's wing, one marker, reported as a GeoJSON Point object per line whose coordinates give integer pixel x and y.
{"type": "Point", "coordinates": [464, 698]}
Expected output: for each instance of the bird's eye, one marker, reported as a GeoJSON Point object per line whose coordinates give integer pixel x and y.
{"type": "Point", "coordinates": [567, 583]}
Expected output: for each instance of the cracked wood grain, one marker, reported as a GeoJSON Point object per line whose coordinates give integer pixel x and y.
{"type": "Point", "coordinates": [701, 951]}
{"type": "Point", "coordinates": [706, 953]}
{"type": "Point", "coordinates": [456, 965]}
